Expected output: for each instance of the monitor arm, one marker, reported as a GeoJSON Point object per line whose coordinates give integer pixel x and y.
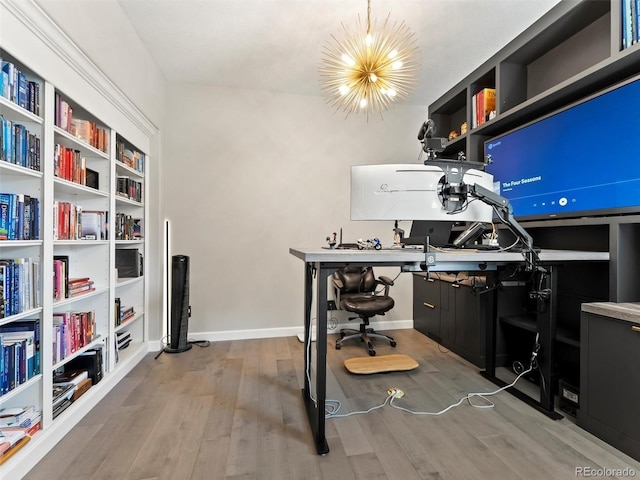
{"type": "Point", "coordinates": [454, 194]}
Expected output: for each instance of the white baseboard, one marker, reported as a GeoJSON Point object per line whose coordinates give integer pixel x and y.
{"type": "Point", "coordinates": [218, 336]}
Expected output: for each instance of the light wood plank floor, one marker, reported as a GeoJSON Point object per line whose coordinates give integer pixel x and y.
{"type": "Point", "coordinates": [234, 411]}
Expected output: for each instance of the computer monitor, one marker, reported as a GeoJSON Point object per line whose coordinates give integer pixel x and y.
{"type": "Point", "coordinates": [410, 192]}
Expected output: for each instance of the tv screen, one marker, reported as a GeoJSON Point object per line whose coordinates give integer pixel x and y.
{"type": "Point", "coordinates": [583, 160]}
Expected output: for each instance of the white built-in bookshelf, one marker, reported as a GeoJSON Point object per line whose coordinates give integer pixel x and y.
{"type": "Point", "coordinates": [76, 248]}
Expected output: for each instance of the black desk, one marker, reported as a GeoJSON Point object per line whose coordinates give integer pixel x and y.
{"type": "Point", "coordinates": [321, 263]}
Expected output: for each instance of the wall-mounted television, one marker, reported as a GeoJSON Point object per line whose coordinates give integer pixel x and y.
{"type": "Point", "coordinates": [583, 160]}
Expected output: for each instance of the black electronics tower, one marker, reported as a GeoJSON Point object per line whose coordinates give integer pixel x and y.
{"type": "Point", "coordinates": [180, 310]}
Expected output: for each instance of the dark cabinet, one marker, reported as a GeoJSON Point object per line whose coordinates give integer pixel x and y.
{"type": "Point", "coordinates": [609, 374]}
{"type": "Point", "coordinates": [428, 306]}
{"type": "Point", "coordinates": [450, 310]}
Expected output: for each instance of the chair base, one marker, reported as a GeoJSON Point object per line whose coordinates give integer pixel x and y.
{"type": "Point", "coordinates": [364, 335]}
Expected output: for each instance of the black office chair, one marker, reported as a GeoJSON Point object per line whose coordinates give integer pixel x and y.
{"type": "Point", "coordinates": [356, 293]}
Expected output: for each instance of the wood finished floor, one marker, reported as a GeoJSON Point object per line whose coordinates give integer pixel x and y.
{"type": "Point", "coordinates": [234, 411]}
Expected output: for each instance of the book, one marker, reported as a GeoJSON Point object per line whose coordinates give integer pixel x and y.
{"type": "Point", "coordinates": [14, 416]}
{"type": "Point", "coordinates": [27, 326]}
{"type": "Point", "coordinates": [15, 445]}
{"type": "Point", "coordinates": [93, 225]}
{"type": "Point", "coordinates": [61, 276]}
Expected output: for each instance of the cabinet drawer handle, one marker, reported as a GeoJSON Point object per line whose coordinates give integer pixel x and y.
{"type": "Point", "coordinates": [635, 329]}
{"type": "Point", "coordinates": [455, 285]}
{"type": "Point", "coordinates": [428, 279]}
{"type": "Point", "coordinates": [429, 305]}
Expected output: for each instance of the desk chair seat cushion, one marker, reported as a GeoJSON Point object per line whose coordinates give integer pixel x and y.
{"type": "Point", "coordinates": [367, 305]}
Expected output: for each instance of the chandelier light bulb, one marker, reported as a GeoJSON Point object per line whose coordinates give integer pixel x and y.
{"type": "Point", "coordinates": [367, 69]}
{"type": "Point", "coordinates": [348, 60]}
{"type": "Point", "coordinates": [368, 39]}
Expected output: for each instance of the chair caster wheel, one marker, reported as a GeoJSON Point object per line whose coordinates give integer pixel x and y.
{"type": "Point", "coordinates": [393, 344]}
{"type": "Point", "coordinates": [338, 346]}
{"type": "Point", "coordinates": [372, 353]}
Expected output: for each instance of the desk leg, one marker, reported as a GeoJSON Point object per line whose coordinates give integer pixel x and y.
{"type": "Point", "coordinates": [316, 409]}
{"type": "Point", "coordinates": [546, 322]}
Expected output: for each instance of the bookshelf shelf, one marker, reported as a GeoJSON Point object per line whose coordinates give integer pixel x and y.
{"type": "Point", "coordinates": [18, 113]}
{"type": "Point", "coordinates": [79, 298]}
{"type": "Point", "coordinates": [129, 322]}
{"type": "Point", "coordinates": [123, 169]}
{"type": "Point", "coordinates": [97, 342]}
{"type": "Point", "coordinates": [71, 188]}
{"type": "Point", "coordinates": [21, 389]}
{"type": "Point", "coordinates": [77, 144]}
{"type": "Point", "coordinates": [19, 316]}
{"type": "Point", "coordinates": [20, 243]}
{"type": "Point", "coordinates": [123, 282]}
{"type": "Point", "coordinates": [7, 168]}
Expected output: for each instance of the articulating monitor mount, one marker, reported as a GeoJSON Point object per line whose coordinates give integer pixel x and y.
{"type": "Point", "coordinates": [454, 193]}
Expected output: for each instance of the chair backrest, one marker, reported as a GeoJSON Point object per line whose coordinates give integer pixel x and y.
{"type": "Point", "coordinates": [357, 279]}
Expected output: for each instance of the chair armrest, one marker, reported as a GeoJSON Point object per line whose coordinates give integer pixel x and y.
{"type": "Point", "coordinates": [385, 280]}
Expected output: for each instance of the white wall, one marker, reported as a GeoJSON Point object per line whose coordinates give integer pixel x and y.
{"type": "Point", "coordinates": [249, 174]}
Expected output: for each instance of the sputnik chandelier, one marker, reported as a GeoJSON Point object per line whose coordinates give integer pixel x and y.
{"type": "Point", "coordinates": [369, 69]}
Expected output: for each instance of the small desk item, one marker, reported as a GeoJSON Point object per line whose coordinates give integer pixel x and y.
{"type": "Point", "coordinates": [396, 362]}
{"type": "Point", "coordinates": [320, 263]}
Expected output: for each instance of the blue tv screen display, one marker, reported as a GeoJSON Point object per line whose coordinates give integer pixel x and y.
{"type": "Point", "coordinates": [581, 161]}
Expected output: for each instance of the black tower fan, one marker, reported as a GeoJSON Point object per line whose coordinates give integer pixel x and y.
{"type": "Point", "coordinates": [180, 309]}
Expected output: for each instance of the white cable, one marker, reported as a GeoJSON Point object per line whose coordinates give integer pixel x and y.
{"type": "Point", "coordinates": [467, 398]}
{"type": "Point", "coordinates": [332, 407]}
{"type": "Point", "coordinates": [333, 412]}
{"type": "Point", "coordinates": [308, 362]}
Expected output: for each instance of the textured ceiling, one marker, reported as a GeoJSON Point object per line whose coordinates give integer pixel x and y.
{"type": "Point", "coordinates": [276, 45]}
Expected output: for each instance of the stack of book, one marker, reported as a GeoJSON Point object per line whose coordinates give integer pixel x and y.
{"type": "Point", "coordinates": [93, 225]}
{"type": "Point", "coordinates": [17, 88]}
{"type": "Point", "coordinates": [18, 145]}
{"type": "Point", "coordinates": [23, 357]}
{"type": "Point", "coordinates": [68, 164]}
{"type": "Point", "coordinates": [483, 106]}
{"type": "Point", "coordinates": [19, 355]}
{"type": "Point", "coordinates": [85, 130]}
{"type": "Point", "coordinates": [79, 286]}
{"type": "Point", "coordinates": [123, 339]}
{"type": "Point", "coordinates": [62, 397]}
{"type": "Point", "coordinates": [129, 188]}
{"type": "Point", "coordinates": [19, 217]}
{"type": "Point", "coordinates": [127, 227]}
{"type": "Point", "coordinates": [78, 378]}
{"type": "Point", "coordinates": [122, 312]}
{"type": "Point", "coordinates": [65, 286]}
{"type": "Point", "coordinates": [71, 332]}
{"type": "Point", "coordinates": [129, 156]}
{"type": "Point", "coordinates": [19, 285]}
{"type": "Point", "coordinates": [17, 426]}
